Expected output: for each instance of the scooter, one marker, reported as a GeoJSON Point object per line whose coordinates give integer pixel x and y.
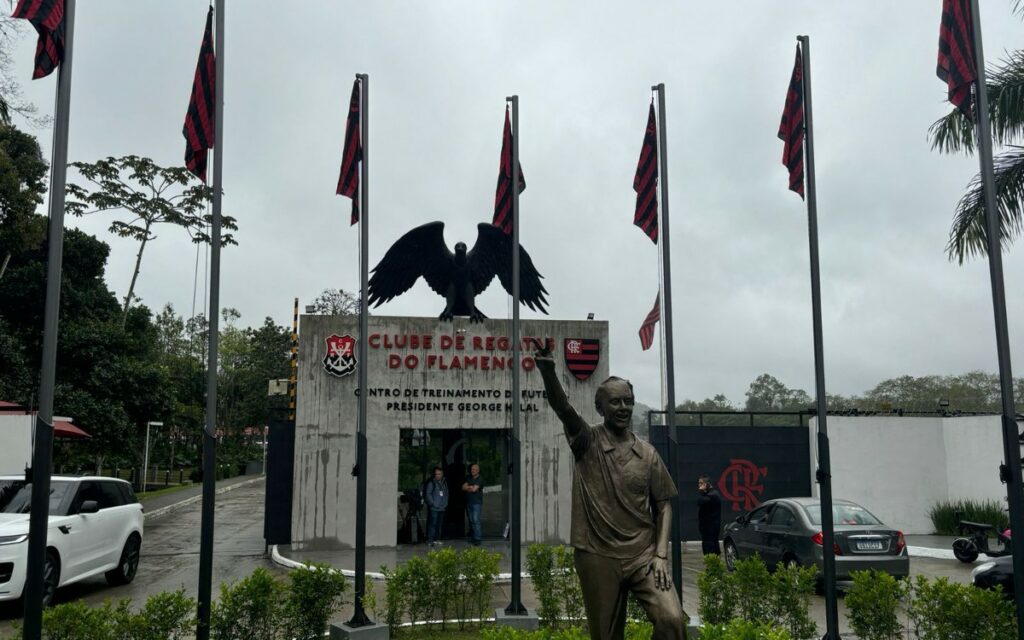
{"type": "Point", "coordinates": [975, 541]}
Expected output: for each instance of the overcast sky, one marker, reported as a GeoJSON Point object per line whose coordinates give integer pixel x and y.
{"type": "Point", "coordinates": [892, 303]}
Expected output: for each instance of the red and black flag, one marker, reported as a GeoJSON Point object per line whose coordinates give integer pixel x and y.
{"type": "Point", "coordinates": [956, 53]}
{"type": "Point", "coordinates": [47, 16]}
{"type": "Point", "coordinates": [199, 121]}
{"type": "Point", "coordinates": [645, 182]}
{"type": "Point", "coordinates": [650, 322]}
{"type": "Point", "coordinates": [351, 155]}
{"type": "Point", "coordinates": [791, 130]}
{"type": "Point", "coordinates": [503, 195]}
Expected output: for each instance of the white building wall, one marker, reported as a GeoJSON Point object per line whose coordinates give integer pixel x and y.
{"type": "Point", "coordinates": [899, 467]}
{"type": "Point", "coordinates": [16, 436]}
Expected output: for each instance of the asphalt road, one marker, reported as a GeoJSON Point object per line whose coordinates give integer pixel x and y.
{"type": "Point", "coordinates": [170, 554]}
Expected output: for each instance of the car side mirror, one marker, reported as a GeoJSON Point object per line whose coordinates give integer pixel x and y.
{"type": "Point", "coordinates": [741, 519]}
{"type": "Point", "coordinates": [89, 506]}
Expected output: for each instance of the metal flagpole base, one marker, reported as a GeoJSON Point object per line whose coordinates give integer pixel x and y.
{"type": "Point", "coordinates": [373, 631]}
{"type": "Point", "coordinates": [526, 620]}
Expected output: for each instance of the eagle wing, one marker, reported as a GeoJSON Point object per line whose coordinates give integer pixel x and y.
{"type": "Point", "coordinates": [420, 252]}
{"type": "Point", "coordinates": [492, 256]}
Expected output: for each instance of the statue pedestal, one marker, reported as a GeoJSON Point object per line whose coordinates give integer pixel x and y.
{"type": "Point", "coordinates": [527, 622]}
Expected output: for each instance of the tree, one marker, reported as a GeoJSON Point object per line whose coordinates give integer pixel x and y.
{"type": "Point", "coordinates": [955, 133]}
{"type": "Point", "coordinates": [152, 195]}
{"type": "Point", "coordinates": [767, 393]}
{"type": "Point", "coordinates": [336, 302]}
{"type": "Point", "coordinates": [22, 186]}
{"type": "Point", "coordinates": [11, 100]}
{"type": "Point", "coordinates": [109, 378]}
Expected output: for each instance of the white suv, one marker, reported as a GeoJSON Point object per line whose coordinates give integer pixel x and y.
{"type": "Point", "coordinates": [95, 526]}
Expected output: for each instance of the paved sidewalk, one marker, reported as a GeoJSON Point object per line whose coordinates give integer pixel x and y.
{"type": "Point", "coordinates": [161, 504]}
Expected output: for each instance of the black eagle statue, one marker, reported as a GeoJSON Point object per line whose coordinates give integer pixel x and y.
{"type": "Point", "coordinates": [459, 276]}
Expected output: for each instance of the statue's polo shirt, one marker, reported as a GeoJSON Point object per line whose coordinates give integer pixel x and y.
{"type": "Point", "coordinates": [612, 493]}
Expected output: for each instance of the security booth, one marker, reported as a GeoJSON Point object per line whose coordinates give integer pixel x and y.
{"type": "Point", "coordinates": [439, 394]}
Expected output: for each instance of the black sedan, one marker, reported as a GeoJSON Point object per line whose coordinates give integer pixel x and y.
{"type": "Point", "coordinates": [997, 572]}
{"type": "Point", "coordinates": [788, 531]}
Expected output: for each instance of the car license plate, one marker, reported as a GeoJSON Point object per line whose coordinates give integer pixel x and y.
{"type": "Point", "coordinates": [870, 545]}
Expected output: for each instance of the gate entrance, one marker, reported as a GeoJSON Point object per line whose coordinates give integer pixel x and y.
{"type": "Point", "coordinates": [750, 457]}
{"type": "Point", "coordinates": [420, 450]}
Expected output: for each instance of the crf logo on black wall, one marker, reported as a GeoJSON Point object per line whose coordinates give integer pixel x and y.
{"type": "Point", "coordinates": [747, 465]}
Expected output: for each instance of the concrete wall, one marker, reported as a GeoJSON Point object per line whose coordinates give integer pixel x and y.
{"type": "Point", "coordinates": [16, 435]}
{"type": "Point", "coordinates": [324, 489]}
{"type": "Point", "coordinates": [898, 467]}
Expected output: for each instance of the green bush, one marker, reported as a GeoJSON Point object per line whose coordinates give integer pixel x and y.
{"type": "Point", "coordinates": [164, 616]}
{"type": "Point", "coordinates": [792, 588]}
{"type": "Point", "coordinates": [873, 605]}
{"type": "Point", "coordinates": [440, 585]}
{"type": "Point", "coordinates": [315, 593]}
{"type": "Point", "coordinates": [739, 629]}
{"type": "Point", "coordinates": [717, 603]}
{"type": "Point", "coordinates": [946, 520]}
{"type": "Point", "coordinates": [444, 573]}
{"type": "Point", "coordinates": [567, 584]}
{"type": "Point", "coordinates": [540, 564]}
{"type": "Point", "coordinates": [251, 609]}
{"type": "Point", "coordinates": [634, 631]}
{"type": "Point", "coordinates": [479, 570]}
{"type": "Point", "coordinates": [752, 585]}
{"type": "Point", "coordinates": [942, 610]}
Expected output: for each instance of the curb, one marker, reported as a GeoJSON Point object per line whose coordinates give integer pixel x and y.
{"type": "Point", "coordinates": [929, 552]}
{"type": "Point", "coordinates": [194, 499]}
{"type": "Point", "coordinates": [288, 563]}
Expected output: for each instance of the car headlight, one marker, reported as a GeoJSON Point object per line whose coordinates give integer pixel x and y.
{"type": "Point", "coordinates": [14, 539]}
{"type": "Point", "coordinates": [984, 566]}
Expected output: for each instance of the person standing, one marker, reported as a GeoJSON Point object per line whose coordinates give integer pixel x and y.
{"type": "Point", "coordinates": [709, 516]}
{"type": "Point", "coordinates": [474, 490]}
{"type": "Point", "coordinates": [436, 497]}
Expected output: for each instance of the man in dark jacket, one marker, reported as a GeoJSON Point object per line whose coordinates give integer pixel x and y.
{"type": "Point", "coordinates": [709, 515]}
{"type": "Point", "coordinates": [436, 497]}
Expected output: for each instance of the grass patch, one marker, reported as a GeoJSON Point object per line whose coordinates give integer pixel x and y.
{"type": "Point", "coordinates": [162, 492]}
{"type": "Point", "coordinates": [946, 515]}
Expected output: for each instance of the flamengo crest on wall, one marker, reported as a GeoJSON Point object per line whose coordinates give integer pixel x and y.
{"type": "Point", "coordinates": [340, 359]}
{"type": "Point", "coordinates": [582, 356]}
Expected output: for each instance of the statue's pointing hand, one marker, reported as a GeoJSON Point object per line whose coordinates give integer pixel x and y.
{"type": "Point", "coordinates": [542, 356]}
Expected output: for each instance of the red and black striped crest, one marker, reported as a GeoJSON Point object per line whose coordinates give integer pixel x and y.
{"type": "Point", "coordinates": [351, 155]}
{"type": "Point", "coordinates": [47, 16]}
{"type": "Point", "coordinates": [791, 130]}
{"type": "Point", "coordinates": [649, 324]}
{"type": "Point", "coordinates": [582, 356]}
{"type": "Point", "coordinates": [503, 195]}
{"type": "Point", "coordinates": [199, 121]}
{"type": "Point", "coordinates": [956, 53]}
{"type": "Point", "coordinates": [645, 182]}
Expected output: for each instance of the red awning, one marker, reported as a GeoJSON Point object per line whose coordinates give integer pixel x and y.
{"type": "Point", "coordinates": [64, 429]}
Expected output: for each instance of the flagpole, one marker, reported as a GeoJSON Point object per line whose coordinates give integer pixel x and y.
{"type": "Point", "coordinates": [669, 365]}
{"type": "Point", "coordinates": [824, 472]}
{"type": "Point", "coordinates": [210, 431]}
{"type": "Point", "coordinates": [43, 441]}
{"type": "Point", "coordinates": [359, 617]}
{"type": "Point", "coordinates": [515, 606]}
{"type": "Point", "coordinates": [1010, 471]}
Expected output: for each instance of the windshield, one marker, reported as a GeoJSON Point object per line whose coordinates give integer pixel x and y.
{"type": "Point", "coordinates": [842, 514]}
{"type": "Point", "coordinates": [16, 496]}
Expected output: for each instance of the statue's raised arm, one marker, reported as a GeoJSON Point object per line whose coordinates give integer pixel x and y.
{"type": "Point", "coordinates": [571, 420]}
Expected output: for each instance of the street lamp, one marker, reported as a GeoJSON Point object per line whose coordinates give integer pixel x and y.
{"type": "Point", "coordinates": [145, 455]}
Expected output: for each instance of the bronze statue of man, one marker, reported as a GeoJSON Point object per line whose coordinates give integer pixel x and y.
{"type": "Point", "coordinates": [619, 482]}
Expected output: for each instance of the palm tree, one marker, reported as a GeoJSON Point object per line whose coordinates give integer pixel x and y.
{"type": "Point", "coordinates": [955, 133]}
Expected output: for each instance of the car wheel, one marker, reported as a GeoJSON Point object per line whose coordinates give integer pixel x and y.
{"type": "Point", "coordinates": [965, 550]}
{"type": "Point", "coordinates": [791, 563]}
{"type": "Point", "coordinates": [730, 555]}
{"type": "Point", "coordinates": [128, 564]}
{"type": "Point", "coordinates": [51, 576]}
